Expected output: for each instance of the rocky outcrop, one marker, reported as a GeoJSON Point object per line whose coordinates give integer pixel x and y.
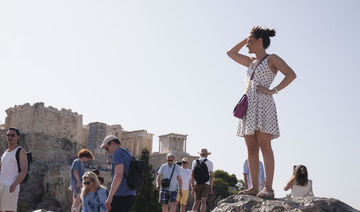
{"type": "Point", "coordinates": [245, 203]}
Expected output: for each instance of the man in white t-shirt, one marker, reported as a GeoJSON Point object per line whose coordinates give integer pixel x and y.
{"type": "Point", "coordinates": [10, 177]}
{"type": "Point", "coordinates": [185, 175]}
{"type": "Point", "coordinates": [202, 183]}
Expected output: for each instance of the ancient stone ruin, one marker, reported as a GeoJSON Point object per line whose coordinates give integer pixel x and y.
{"type": "Point", "coordinates": [55, 136]}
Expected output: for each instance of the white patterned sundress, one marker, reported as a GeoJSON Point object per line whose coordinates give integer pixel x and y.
{"type": "Point", "coordinates": [261, 113]}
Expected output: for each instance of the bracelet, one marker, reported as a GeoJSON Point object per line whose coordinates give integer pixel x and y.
{"type": "Point", "coordinates": [276, 90]}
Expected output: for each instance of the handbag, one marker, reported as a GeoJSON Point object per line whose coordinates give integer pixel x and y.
{"type": "Point", "coordinates": [165, 183]}
{"type": "Point", "coordinates": [241, 107]}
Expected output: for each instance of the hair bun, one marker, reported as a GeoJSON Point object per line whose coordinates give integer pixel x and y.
{"type": "Point", "coordinates": [270, 32]}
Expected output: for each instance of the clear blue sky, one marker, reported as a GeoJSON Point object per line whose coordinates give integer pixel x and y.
{"type": "Point", "coordinates": [162, 66]}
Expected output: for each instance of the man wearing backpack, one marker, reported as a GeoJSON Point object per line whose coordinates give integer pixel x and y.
{"type": "Point", "coordinates": [121, 196]}
{"type": "Point", "coordinates": [202, 180]}
{"type": "Point", "coordinates": [168, 182]}
{"type": "Point", "coordinates": [10, 177]}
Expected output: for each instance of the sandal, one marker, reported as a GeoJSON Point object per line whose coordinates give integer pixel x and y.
{"type": "Point", "coordinates": [266, 193]}
{"type": "Point", "coordinates": [250, 192]}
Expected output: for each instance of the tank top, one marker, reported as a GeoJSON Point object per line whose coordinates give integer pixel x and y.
{"type": "Point", "coordinates": [9, 167]}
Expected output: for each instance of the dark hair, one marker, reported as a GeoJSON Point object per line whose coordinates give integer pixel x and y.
{"type": "Point", "coordinates": [301, 175]}
{"type": "Point", "coordinates": [101, 180]}
{"type": "Point", "coordinates": [85, 153]}
{"type": "Point", "coordinates": [14, 129]}
{"type": "Point", "coordinates": [265, 34]}
{"type": "Point", "coordinates": [95, 171]}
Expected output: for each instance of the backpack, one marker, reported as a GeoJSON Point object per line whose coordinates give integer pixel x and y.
{"type": "Point", "coordinates": [201, 172]}
{"type": "Point", "coordinates": [136, 171]}
{"type": "Point", "coordinates": [29, 159]}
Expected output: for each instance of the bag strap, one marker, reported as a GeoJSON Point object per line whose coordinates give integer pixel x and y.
{"type": "Point", "coordinates": [131, 158]}
{"type": "Point", "coordinates": [172, 172]}
{"type": "Point", "coordinates": [252, 75]}
{"type": "Point", "coordinates": [17, 156]}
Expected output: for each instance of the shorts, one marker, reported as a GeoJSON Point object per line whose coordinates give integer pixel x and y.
{"type": "Point", "coordinates": [75, 191]}
{"type": "Point", "coordinates": [167, 196]}
{"type": "Point", "coordinates": [8, 201]}
{"type": "Point", "coordinates": [183, 199]}
{"type": "Point", "coordinates": [122, 203]}
{"type": "Point", "coordinates": [202, 191]}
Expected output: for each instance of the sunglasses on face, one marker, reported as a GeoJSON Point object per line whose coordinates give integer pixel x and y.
{"type": "Point", "coordinates": [87, 183]}
{"type": "Point", "coordinates": [183, 162]}
{"type": "Point", "coordinates": [170, 160]}
{"type": "Point", "coordinates": [12, 135]}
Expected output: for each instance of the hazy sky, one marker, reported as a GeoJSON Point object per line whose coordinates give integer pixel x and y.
{"type": "Point", "coordinates": [161, 65]}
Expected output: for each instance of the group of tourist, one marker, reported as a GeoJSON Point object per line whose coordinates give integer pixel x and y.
{"type": "Point", "coordinates": [259, 125]}
{"type": "Point", "coordinates": [173, 182]}
{"type": "Point", "coordinates": [86, 188]}
{"type": "Point", "coordinates": [95, 197]}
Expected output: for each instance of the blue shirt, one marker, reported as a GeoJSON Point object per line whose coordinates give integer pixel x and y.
{"type": "Point", "coordinates": [80, 167]}
{"type": "Point", "coordinates": [165, 171]}
{"type": "Point", "coordinates": [261, 173]}
{"type": "Point", "coordinates": [95, 201]}
{"type": "Point", "coordinates": [120, 157]}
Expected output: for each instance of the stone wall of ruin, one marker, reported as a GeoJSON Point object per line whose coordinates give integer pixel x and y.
{"type": "Point", "coordinates": [136, 141]}
{"type": "Point", "coordinates": [46, 120]}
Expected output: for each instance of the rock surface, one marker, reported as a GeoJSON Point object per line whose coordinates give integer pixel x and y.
{"type": "Point", "coordinates": [239, 203]}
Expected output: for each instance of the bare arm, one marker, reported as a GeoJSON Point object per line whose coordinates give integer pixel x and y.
{"type": "Point", "coordinates": [192, 180]}
{"type": "Point", "coordinates": [77, 177]}
{"type": "Point", "coordinates": [23, 172]}
{"type": "Point", "coordinates": [211, 182]}
{"type": "Point", "coordinates": [158, 180]}
{"type": "Point", "coordinates": [284, 68]}
{"type": "Point", "coordinates": [278, 64]}
{"type": "Point", "coordinates": [192, 183]}
{"type": "Point", "coordinates": [118, 177]}
{"type": "Point", "coordinates": [289, 184]}
{"type": "Point", "coordinates": [179, 178]}
{"type": "Point", "coordinates": [239, 58]}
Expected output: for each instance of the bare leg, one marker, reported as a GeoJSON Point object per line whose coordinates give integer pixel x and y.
{"type": "Point", "coordinates": [173, 207]}
{"type": "Point", "coordinates": [196, 205]}
{"type": "Point", "coordinates": [182, 208]}
{"type": "Point", "coordinates": [268, 155]}
{"type": "Point", "coordinates": [253, 160]}
{"type": "Point", "coordinates": [165, 208]}
{"type": "Point", "coordinates": [76, 202]}
{"type": "Point", "coordinates": [203, 205]}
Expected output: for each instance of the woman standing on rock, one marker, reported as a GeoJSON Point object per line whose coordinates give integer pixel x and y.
{"type": "Point", "coordinates": [299, 183]}
{"type": "Point", "coordinates": [260, 124]}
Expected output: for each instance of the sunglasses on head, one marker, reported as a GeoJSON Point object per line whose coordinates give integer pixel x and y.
{"type": "Point", "coordinates": [87, 183]}
{"type": "Point", "coordinates": [12, 135]}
